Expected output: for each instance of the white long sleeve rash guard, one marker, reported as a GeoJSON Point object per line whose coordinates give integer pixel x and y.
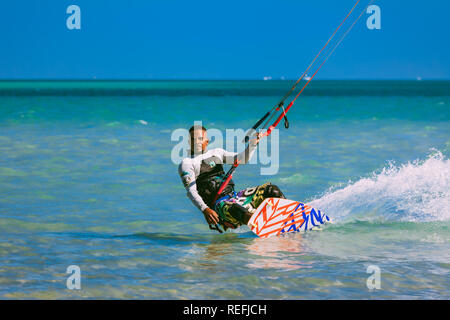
{"type": "Point", "coordinates": [189, 169]}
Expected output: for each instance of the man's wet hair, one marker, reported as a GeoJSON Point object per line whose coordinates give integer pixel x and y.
{"type": "Point", "coordinates": [194, 127]}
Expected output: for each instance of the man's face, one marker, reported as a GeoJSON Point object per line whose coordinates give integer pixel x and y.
{"type": "Point", "coordinates": [199, 141]}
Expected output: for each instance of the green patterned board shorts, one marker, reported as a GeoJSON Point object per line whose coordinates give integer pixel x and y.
{"type": "Point", "coordinates": [249, 198]}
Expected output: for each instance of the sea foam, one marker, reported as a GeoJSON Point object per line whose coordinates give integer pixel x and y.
{"type": "Point", "coordinates": [418, 191]}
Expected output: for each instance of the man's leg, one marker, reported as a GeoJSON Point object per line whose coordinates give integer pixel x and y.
{"type": "Point", "coordinates": [232, 214]}
{"type": "Point", "coordinates": [272, 191]}
{"type": "Point", "coordinates": [243, 215]}
{"type": "Point", "coordinates": [227, 219]}
{"type": "Point", "coordinates": [240, 213]}
{"type": "Point", "coordinates": [267, 190]}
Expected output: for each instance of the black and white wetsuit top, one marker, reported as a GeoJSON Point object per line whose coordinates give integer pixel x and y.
{"type": "Point", "coordinates": [202, 174]}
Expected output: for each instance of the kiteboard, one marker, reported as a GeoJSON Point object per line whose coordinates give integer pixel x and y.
{"type": "Point", "coordinates": [276, 216]}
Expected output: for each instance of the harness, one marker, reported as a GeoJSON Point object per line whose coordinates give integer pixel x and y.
{"type": "Point", "coordinates": [209, 180]}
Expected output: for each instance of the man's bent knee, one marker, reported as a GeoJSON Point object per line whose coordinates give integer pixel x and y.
{"type": "Point", "coordinates": [272, 191]}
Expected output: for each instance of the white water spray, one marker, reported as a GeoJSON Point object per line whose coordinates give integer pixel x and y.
{"type": "Point", "coordinates": [418, 191]}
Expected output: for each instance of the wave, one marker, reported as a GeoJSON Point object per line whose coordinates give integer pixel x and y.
{"type": "Point", "coordinates": [418, 191]}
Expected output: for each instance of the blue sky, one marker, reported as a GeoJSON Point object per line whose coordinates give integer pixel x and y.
{"type": "Point", "coordinates": [174, 39]}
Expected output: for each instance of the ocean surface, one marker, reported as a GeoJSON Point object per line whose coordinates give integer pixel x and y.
{"type": "Point", "coordinates": [87, 179]}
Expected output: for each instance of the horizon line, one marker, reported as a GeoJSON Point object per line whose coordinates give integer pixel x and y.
{"type": "Point", "coordinates": [224, 79]}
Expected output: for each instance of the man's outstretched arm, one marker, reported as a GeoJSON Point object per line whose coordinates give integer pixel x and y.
{"type": "Point", "coordinates": [243, 157]}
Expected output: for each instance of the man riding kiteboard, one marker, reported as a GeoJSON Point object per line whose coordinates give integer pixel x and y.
{"type": "Point", "coordinates": [202, 175]}
{"type": "Point", "coordinates": [212, 191]}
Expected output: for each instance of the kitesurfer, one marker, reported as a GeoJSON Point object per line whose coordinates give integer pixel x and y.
{"type": "Point", "coordinates": [202, 175]}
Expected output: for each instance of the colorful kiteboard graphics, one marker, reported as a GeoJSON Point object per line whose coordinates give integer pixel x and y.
{"type": "Point", "coordinates": [276, 216]}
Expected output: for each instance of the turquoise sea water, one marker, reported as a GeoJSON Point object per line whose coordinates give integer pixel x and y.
{"type": "Point", "coordinates": [86, 179]}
